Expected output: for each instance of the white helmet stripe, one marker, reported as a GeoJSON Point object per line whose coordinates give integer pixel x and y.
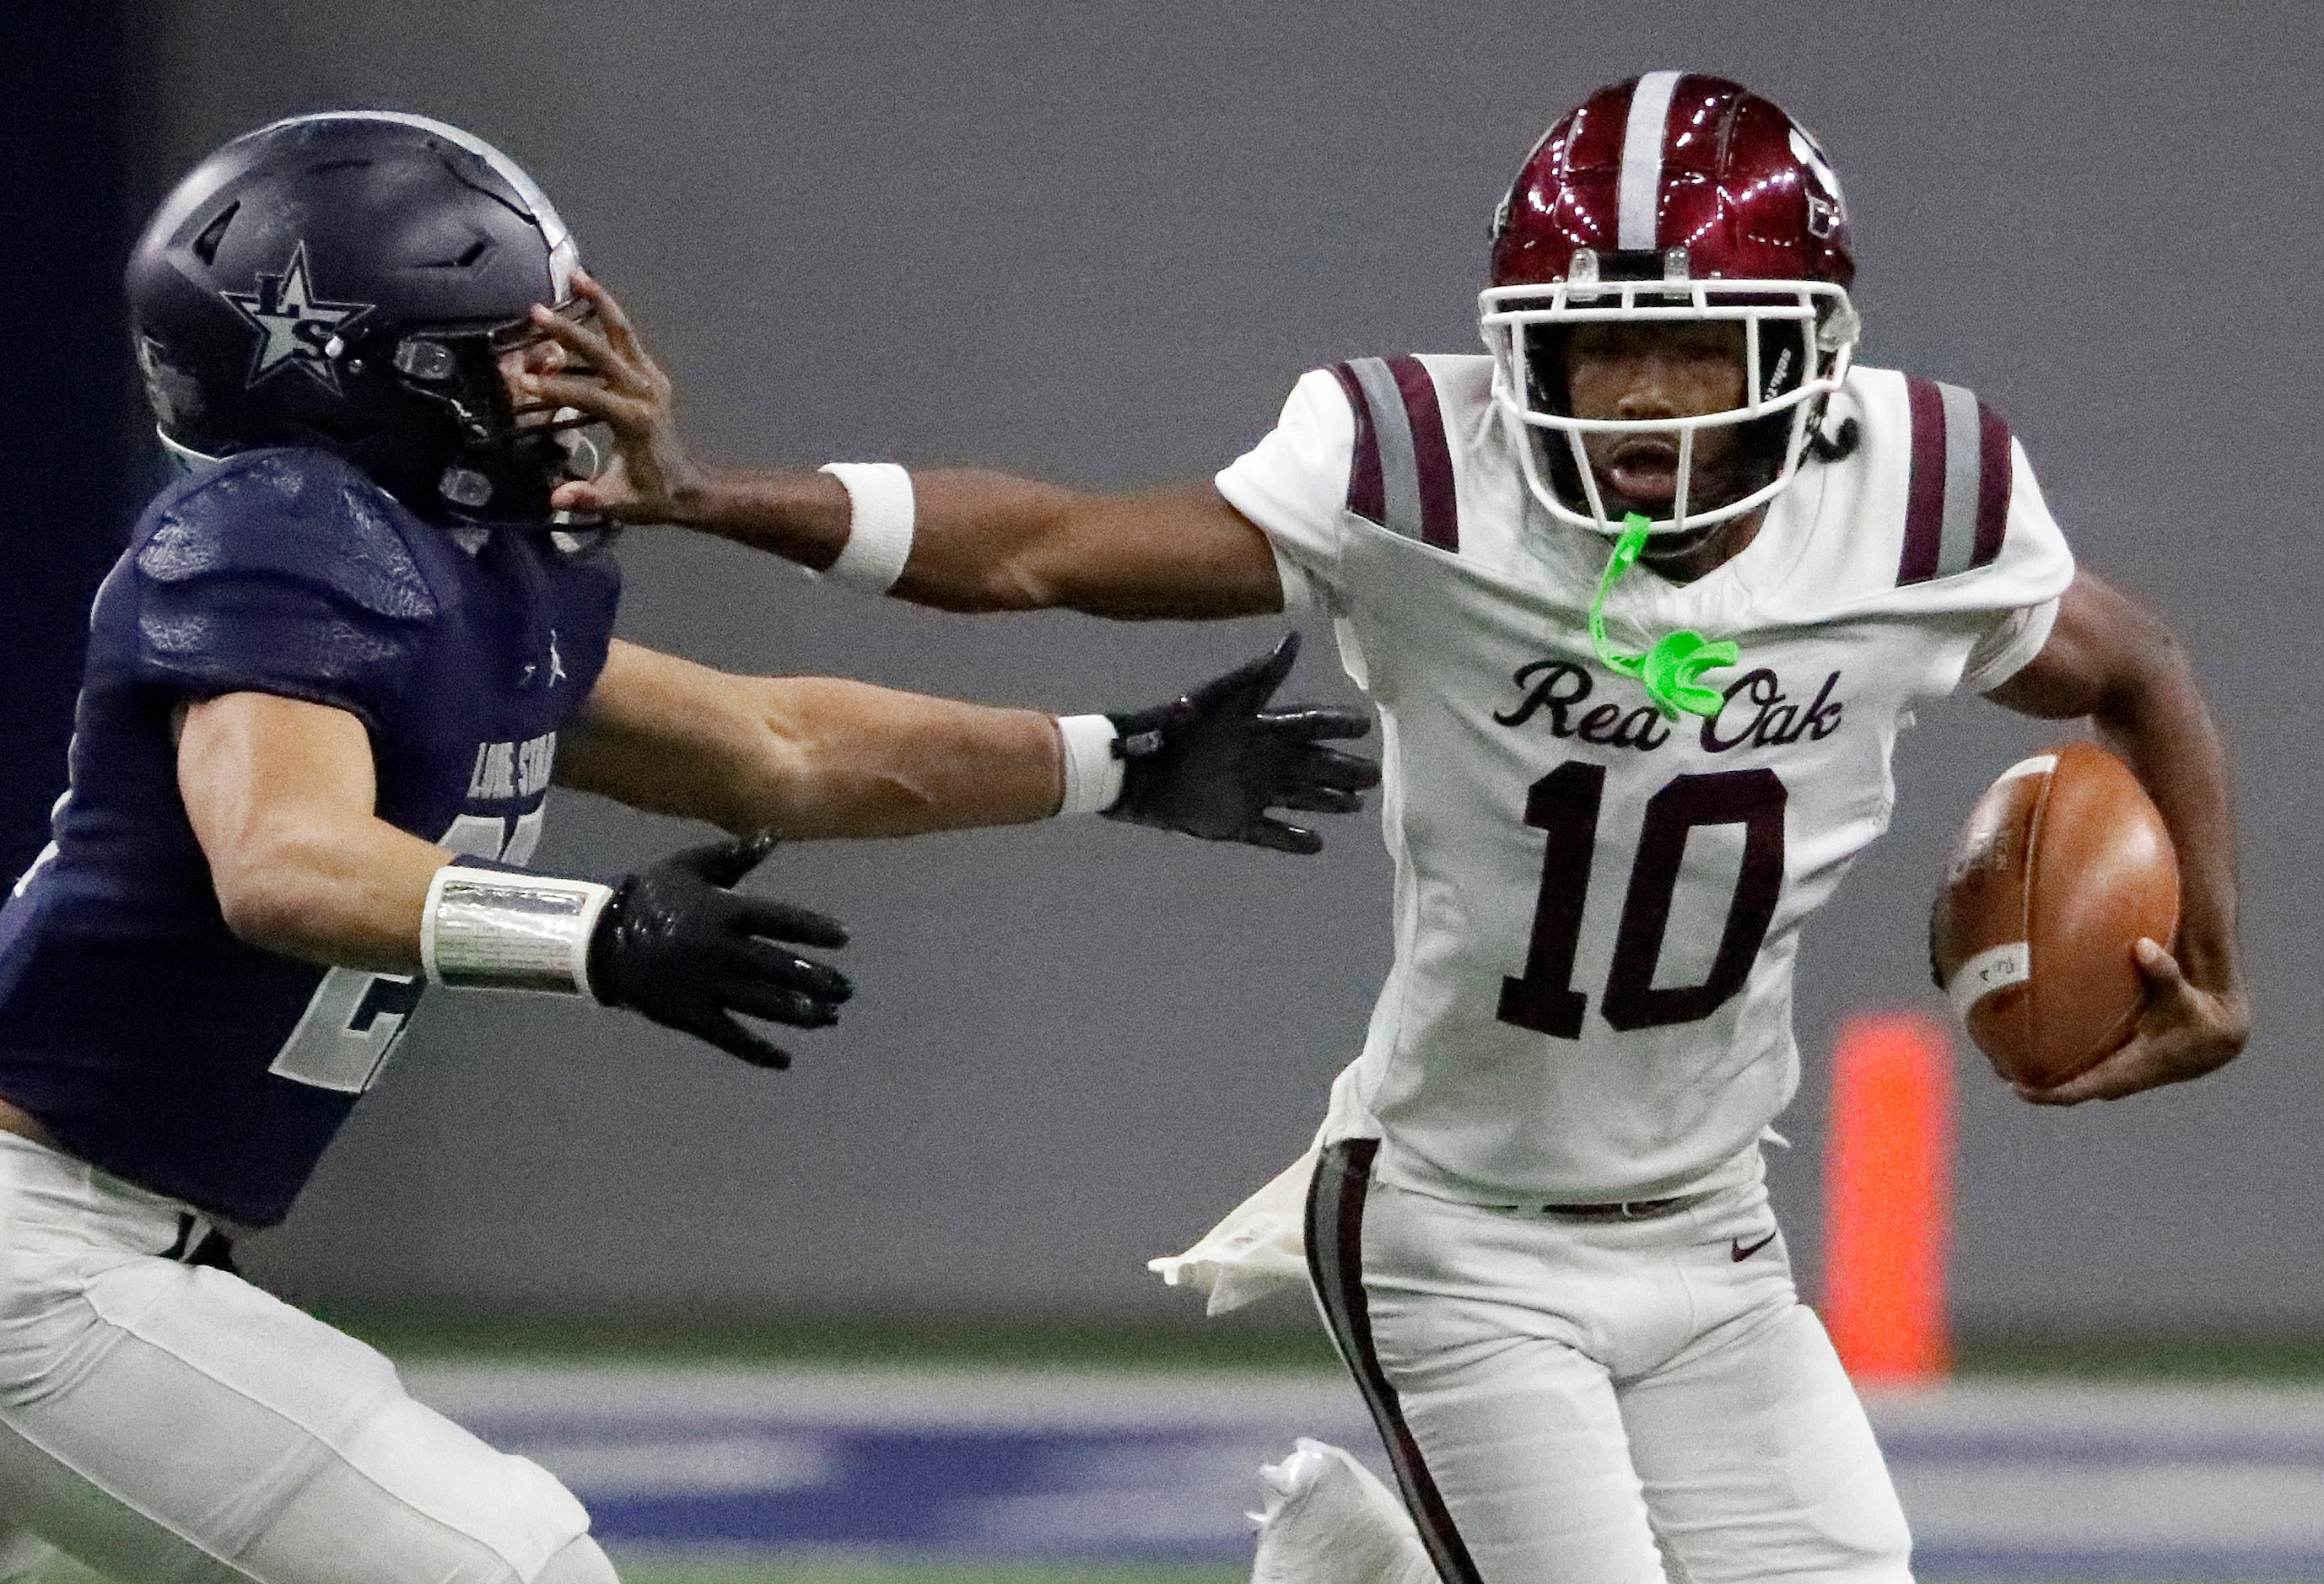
{"type": "Point", "coordinates": [1641, 187]}
{"type": "Point", "coordinates": [564, 254]}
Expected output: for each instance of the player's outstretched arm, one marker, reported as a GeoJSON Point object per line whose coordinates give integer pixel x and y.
{"type": "Point", "coordinates": [816, 756]}
{"type": "Point", "coordinates": [280, 794]}
{"type": "Point", "coordinates": [805, 757]}
{"type": "Point", "coordinates": [979, 541]}
{"type": "Point", "coordinates": [2111, 660]}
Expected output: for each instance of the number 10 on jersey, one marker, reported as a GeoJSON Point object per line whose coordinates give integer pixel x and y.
{"type": "Point", "coordinates": [1566, 804]}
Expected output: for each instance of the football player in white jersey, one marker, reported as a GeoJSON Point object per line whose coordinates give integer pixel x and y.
{"type": "Point", "coordinates": [1643, 598]}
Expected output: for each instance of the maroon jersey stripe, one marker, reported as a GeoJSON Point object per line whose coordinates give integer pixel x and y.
{"type": "Point", "coordinates": [1925, 495]}
{"type": "Point", "coordinates": [1367, 496]}
{"type": "Point", "coordinates": [1440, 523]}
{"type": "Point", "coordinates": [1995, 475]}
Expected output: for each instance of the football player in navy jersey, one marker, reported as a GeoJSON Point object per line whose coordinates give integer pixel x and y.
{"type": "Point", "coordinates": [328, 687]}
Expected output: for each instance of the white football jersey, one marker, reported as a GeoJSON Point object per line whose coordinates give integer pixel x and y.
{"type": "Point", "coordinates": [1597, 910]}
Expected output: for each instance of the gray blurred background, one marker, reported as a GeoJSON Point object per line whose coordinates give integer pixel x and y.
{"type": "Point", "coordinates": [1099, 243]}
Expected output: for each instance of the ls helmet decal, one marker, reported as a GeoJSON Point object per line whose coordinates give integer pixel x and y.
{"type": "Point", "coordinates": [295, 326]}
{"type": "Point", "coordinates": [357, 281]}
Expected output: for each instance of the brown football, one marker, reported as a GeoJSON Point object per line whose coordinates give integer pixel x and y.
{"type": "Point", "coordinates": [2063, 865]}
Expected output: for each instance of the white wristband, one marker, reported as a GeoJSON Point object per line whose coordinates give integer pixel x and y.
{"type": "Point", "coordinates": [1092, 769]}
{"type": "Point", "coordinates": [487, 929]}
{"type": "Point", "coordinates": [879, 525]}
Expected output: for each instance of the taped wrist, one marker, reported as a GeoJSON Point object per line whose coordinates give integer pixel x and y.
{"type": "Point", "coordinates": [881, 514]}
{"type": "Point", "coordinates": [1093, 767]}
{"type": "Point", "coordinates": [494, 929]}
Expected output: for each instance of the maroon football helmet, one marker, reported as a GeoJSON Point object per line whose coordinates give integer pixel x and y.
{"type": "Point", "coordinates": [1670, 196]}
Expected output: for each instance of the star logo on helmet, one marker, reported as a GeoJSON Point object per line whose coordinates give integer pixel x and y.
{"type": "Point", "coordinates": [295, 326]}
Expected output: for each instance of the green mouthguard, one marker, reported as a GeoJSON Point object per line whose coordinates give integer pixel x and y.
{"type": "Point", "coordinates": [1668, 671]}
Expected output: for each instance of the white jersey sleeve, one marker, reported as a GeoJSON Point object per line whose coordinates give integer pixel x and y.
{"type": "Point", "coordinates": [2032, 567]}
{"type": "Point", "coordinates": [2009, 645]}
{"type": "Point", "coordinates": [1293, 485]}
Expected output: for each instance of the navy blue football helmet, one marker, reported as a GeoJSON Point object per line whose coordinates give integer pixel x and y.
{"type": "Point", "coordinates": [349, 279]}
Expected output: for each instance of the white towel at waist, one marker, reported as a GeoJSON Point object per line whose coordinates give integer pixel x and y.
{"type": "Point", "coordinates": [1260, 1246]}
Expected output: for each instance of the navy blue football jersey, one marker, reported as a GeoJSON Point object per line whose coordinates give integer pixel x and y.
{"type": "Point", "coordinates": [143, 1033]}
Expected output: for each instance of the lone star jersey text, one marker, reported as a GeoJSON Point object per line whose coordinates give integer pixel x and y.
{"type": "Point", "coordinates": [505, 770]}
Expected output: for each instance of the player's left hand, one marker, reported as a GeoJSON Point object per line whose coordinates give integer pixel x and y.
{"type": "Point", "coordinates": [1212, 763]}
{"type": "Point", "coordinates": [2184, 1032]}
{"type": "Point", "coordinates": [652, 474]}
{"type": "Point", "coordinates": [679, 943]}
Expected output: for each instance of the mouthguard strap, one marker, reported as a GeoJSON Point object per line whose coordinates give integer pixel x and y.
{"type": "Point", "coordinates": [1669, 668]}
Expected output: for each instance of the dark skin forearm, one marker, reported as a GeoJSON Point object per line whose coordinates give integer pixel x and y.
{"type": "Point", "coordinates": [793, 513]}
{"type": "Point", "coordinates": [982, 540]}
{"type": "Point", "coordinates": [2164, 730]}
{"type": "Point", "coordinates": [987, 541]}
{"type": "Point", "coordinates": [2112, 660]}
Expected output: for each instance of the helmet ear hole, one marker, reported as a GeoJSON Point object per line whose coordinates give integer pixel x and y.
{"type": "Point", "coordinates": [465, 487]}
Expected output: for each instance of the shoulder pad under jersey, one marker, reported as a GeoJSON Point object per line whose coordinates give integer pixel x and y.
{"type": "Point", "coordinates": [281, 571]}
{"type": "Point", "coordinates": [1957, 484]}
{"type": "Point", "coordinates": [1935, 511]}
{"type": "Point", "coordinates": [302, 517]}
{"type": "Point", "coordinates": [1400, 476]}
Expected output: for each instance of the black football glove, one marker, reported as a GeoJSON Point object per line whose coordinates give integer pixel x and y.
{"type": "Point", "coordinates": [1212, 763]}
{"type": "Point", "coordinates": [678, 944]}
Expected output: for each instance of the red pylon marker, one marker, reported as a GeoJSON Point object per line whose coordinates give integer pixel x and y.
{"type": "Point", "coordinates": [1888, 1183]}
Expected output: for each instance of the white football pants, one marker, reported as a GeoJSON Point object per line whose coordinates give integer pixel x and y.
{"type": "Point", "coordinates": [174, 1425]}
{"type": "Point", "coordinates": [1611, 1401]}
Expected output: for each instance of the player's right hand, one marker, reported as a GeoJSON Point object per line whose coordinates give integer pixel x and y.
{"type": "Point", "coordinates": [607, 373]}
{"type": "Point", "coordinates": [678, 944]}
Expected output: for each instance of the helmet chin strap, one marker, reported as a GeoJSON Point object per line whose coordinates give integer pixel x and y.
{"type": "Point", "coordinates": [1668, 669]}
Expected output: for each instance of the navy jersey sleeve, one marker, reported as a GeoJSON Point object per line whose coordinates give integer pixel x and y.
{"type": "Point", "coordinates": [282, 571]}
